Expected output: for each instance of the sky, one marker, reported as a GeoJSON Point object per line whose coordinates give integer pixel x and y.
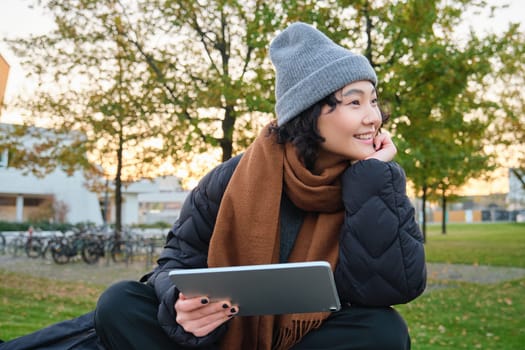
{"type": "Point", "coordinates": [17, 20]}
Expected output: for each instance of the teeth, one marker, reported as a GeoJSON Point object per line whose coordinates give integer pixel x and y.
{"type": "Point", "coordinates": [363, 137]}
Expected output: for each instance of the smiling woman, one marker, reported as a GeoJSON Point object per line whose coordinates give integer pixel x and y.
{"type": "Point", "coordinates": [318, 183]}
{"type": "Point", "coordinates": [351, 129]}
{"type": "Point", "coordinates": [332, 193]}
{"type": "Point", "coordinates": [328, 194]}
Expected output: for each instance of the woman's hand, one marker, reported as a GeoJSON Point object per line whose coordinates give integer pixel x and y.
{"type": "Point", "coordinates": [385, 148]}
{"type": "Point", "coordinates": [200, 317]}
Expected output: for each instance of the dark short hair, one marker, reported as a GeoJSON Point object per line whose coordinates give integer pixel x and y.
{"type": "Point", "coordinates": [303, 133]}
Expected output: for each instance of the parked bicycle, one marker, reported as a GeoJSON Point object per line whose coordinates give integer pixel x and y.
{"type": "Point", "coordinates": [50, 242]}
{"type": "Point", "coordinates": [34, 244]}
{"type": "Point", "coordinates": [25, 242]}
{"type": "Point", "coordinates": [69, 247]}
{"type": "Point", "coordinates": [98, 246]}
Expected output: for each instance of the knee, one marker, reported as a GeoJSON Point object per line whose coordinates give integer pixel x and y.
{"type": "Point", "coordinates": [364, 328]}
{"type": "Point", "coordinates": [113, 302]}
{"type": "Point", "coordinates": [390, 330]}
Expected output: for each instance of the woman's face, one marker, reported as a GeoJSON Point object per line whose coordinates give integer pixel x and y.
{"type": "Point", "coordinates": [350, 128]}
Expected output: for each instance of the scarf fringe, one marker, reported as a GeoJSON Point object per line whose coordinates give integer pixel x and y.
{"type": "Point", "coordinates": [285, 338]}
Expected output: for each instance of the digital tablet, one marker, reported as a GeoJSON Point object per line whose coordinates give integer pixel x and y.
{"type": "Point", "coordinates": [269, 289]}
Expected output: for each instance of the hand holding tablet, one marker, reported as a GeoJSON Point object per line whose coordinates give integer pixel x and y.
{"type": "Point", "coordinates": [264, 289]}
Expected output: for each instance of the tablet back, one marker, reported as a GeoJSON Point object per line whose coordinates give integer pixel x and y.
{"type": "Point", "coordinates": [264, 289]}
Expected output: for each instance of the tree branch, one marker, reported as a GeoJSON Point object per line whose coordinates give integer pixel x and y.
{"type": "Point", "coordinates": [520, 175]}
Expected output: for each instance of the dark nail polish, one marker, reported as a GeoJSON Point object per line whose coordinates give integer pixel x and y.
{"type": "Point", "coordinates": [204, 301]}
{"type": "Point", "coordinates": [233, 310]}
{"type": "Point", "coordinates": [225, 306]}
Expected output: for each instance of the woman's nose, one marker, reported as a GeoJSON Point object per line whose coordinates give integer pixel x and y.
{"type": "Point", "coordinates": [372, 116]}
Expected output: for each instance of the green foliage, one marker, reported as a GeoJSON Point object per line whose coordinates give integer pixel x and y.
{"type": "Point", "coordinates": [42, 226]}
{"type": "Point", "coordinates": [436, 91]}
{"type": "Point", "coordinates": [509, 131]}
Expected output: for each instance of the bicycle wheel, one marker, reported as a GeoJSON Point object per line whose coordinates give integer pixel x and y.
{"type": "Point", "coordinates": [120, 251]}
{"type": "Point", "coordinates": [34, 248]}
{"type": "Point", "coordinates": [60, 253]}
{"type": "Point", "coordinates": [91, 252]}
{"type": "Point", "coordinates": [50, 245]}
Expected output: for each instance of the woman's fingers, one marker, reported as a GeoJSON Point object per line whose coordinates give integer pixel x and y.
{"type": "Point", "coordinates": [385, 148]}
{"type": "Point", "coordinates": [200, 316]}
{"type": "Point", "coordinates": [184, 304]}
{"type": "Point", "coordinates": [206, 324]}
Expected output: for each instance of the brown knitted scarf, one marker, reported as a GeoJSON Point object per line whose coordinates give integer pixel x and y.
{"type": "Point", "coordinates": [247, 232]}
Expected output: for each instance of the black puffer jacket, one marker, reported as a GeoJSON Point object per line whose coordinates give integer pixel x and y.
{"type": "Point", "coordinates": [381, 259]}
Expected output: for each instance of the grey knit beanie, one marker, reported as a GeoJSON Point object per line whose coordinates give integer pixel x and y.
{"type": "Point", "coordinates": [309, 66]}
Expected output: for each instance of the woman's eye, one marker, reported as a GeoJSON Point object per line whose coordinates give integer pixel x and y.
{"type": "Point", "coordinates": [375, 101]}
{"type": "Point", "coordinates": [354, 102]}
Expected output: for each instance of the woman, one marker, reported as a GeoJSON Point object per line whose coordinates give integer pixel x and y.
{"type": "Point", "coordinates": [317, 184]}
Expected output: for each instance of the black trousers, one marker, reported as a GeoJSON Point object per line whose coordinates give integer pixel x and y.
{"type": "Point", "coordinates": [126, 318]}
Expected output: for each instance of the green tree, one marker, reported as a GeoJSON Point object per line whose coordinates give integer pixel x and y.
{"type": "Point", "coordinates": [508, 133]}
{"type": "Point", "coordinates": [436, 87]}
{"type": "Point", "coordinates": [93, 98]}
{"type": "Point", "coordinates": [216, 69]}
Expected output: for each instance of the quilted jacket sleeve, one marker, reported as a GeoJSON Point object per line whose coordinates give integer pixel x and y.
{"type": "Point", "coordinates": [381, 258]}
{"type": "Point", "coordinates": [187, 247]}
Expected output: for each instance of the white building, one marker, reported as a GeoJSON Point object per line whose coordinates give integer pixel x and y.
{"type": "Point", "coordinates": [23, 196]}
{"type": "Point", "coordinates": [151, 201]}
{"type": "Point", "coordinates": [57, 195]}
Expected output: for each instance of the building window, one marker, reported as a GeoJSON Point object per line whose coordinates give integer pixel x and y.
{"type": "Point", "coordinates": [33, 202]}
{"type": "Point", "coordinates": [8, 201]}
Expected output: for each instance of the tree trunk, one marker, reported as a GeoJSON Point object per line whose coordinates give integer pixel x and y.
{"type": "Point", "coordinates": [227, 129]}
{"type": "Point", "coordinates": [444, 209]}
{"type": "Point", "coordinates": [424, 209]}
{"type": "Point", "coordinates": [118, 191]}
{"type": "Point", "coordinates": [106, 204]}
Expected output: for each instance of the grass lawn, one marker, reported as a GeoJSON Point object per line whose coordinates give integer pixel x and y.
{"type": "Point", "coordinates": [472, 316]}
{"type": "Point", "coordinates": [498, 244]}
{"type": "Point", "coordinates": [463, 316]}
{"type": "Point", "coordinates": [29, 303]}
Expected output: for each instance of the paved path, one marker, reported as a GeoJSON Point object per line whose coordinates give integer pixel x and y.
{"type": "Point", "coordinates": [469, 273]}
{"type": "Point", "coordinates": [473, 273]}
{"type": "Point", "coordinates": [105, 273]}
